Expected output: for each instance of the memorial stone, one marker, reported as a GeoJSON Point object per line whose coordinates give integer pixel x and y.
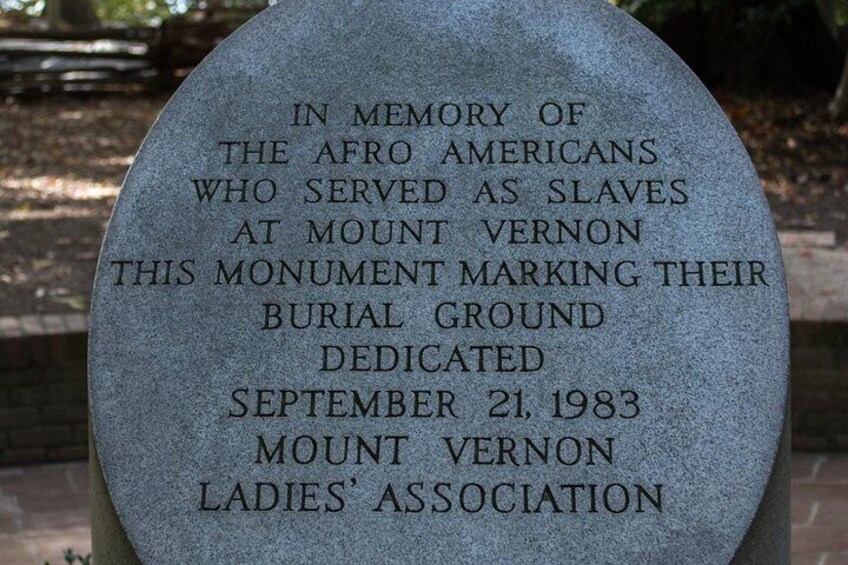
{"type": "Point", "coordinates": [442, 282]}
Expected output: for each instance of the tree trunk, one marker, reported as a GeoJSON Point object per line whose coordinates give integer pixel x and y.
{"type": "Point", "coordinates": [53, 12]}
{"type": "Point", "coordinates": [827, 11]}
{"type": "Point", "coordinates": [839, 105]}
{"type": "Point", "coordinates": [79, 13]}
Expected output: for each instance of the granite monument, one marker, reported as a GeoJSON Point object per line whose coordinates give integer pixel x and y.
{"type": "Point", "coordinates": [441, 282]}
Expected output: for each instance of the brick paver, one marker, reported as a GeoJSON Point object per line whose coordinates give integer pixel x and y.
{"type": "Point", "coordinates": [819, 509]}
{"type": "Point", "coordinates": [44, 510]}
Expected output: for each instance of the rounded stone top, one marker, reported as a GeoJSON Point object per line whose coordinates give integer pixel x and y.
{"type": "Point", "coordinates": [543, 305]}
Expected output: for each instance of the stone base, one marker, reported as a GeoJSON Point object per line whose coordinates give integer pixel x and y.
{"type": "Point", "coordinates": [109, 543]}
{"type": "Point", "coordinates": [768, 537]}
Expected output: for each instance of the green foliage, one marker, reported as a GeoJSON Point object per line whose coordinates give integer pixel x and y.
{"type": "Point", "coordinates": [131, 12]}
{"type": "Point", "coordinates": [652, 12]}
{"type": "Point", "coordinates": [72, 557]}
{"type": "Point", "coordinates": [28, 7]}
{"type": "Point", "coordinates": [767, 12]}
{"type": "Point", "coordinates": [841, 12]}
{"type": "Point", "coordinates": [657, 12]}
{"type": "Point", "coordinates": [140, 12]}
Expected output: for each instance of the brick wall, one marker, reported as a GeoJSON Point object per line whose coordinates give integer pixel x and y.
{"type": "Point", "coordinates": [43, 398]}
{"type": "Point", "coordinates": [820, 385]}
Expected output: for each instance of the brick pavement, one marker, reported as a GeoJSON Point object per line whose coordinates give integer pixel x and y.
{"type": "Point", "coordinates": [44, 510]}
{"type": "Point", "coordinates": [819, 509]}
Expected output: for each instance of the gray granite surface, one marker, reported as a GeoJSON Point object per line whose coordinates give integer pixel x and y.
{"type": "Point", "coordinates": [174, 364]}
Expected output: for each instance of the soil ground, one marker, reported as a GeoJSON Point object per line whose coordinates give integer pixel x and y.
{"type": "Point", "coordinates": [62, 161]}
